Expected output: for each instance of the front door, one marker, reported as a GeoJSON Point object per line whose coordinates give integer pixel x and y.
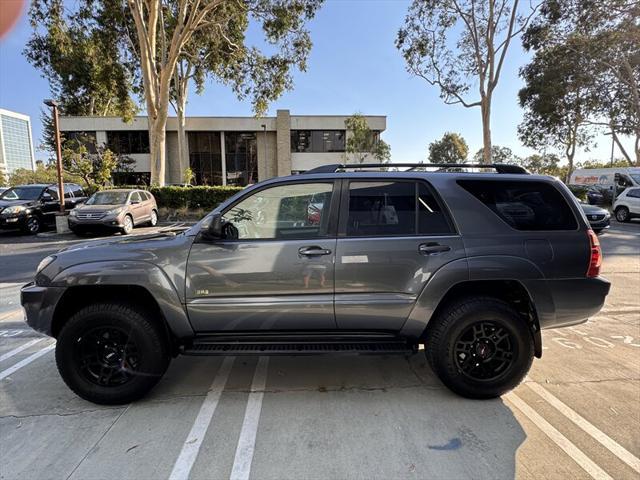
{"type": "Point", "coordinates": [274, 268]}
{"type": "Point", "coordinates": [393, 236]}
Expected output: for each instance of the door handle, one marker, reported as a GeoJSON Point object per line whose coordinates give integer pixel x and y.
{"type": "Point", "coordinates": [433, 248]}
{"type": "Point", "coordinates": [313, 251]}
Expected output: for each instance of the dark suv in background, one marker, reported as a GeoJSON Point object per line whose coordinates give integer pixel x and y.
{"type": "Point", "coordinates": [31, 207]}
{"type": "Point", "coordinates": [471, 264]}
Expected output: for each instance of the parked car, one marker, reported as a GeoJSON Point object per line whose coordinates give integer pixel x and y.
{"type": "Point", "coordinates": [31, 207]}
{"type": "Point", "coordinates": [627, 205]}
{"type": "Point", "coordinates": [116, 210]}
{"type": "Point", "coordinates": [472, 265]}
{"type": "Point", "coordinates": [598, 218]}
{"type": "Point", "coordinates": [592, 194]}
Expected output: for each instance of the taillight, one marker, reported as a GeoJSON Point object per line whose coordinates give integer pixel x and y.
{"type": "Point", "coordinates": [595, 255]}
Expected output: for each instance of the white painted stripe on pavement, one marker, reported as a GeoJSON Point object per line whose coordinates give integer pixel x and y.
{"type": "Point", "coordinates": [15, 351]}
{"type": "Point", "coordinates": [559, 439]}
{"type": "Point", "coordinates": [247, 442]}
{"type": "Point", "coordinates": [22, 363]}
{"type": "Point", "coordinates": [606, 441]}
{"type": "Point", "coordinates": [192, 444]}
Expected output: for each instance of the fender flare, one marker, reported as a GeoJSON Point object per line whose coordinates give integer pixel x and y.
{"type": "Point", "coordinates": [495, 267]}
{"type": "Point", "coordinates": [138, 273]}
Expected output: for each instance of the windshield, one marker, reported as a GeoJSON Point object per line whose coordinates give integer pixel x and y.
{"type": "Point", "coordinates": [636, 177]}
{"type": "Point", "coordinates": [108, 198]}
{"type": "Point", "coordinates": [22, 193]}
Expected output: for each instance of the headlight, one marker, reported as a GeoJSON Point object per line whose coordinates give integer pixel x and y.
{"type": "Point", "coordinates": [114, 211]}
{"type": "Point", "coordinates": [15, 209]}
{"type": "Point", "coordinates": [45, 262]}
{"type": "Point", "coordinates": [73, 213]}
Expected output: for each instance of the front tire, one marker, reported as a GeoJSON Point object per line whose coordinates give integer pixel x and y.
{"type": "Point", "coordinates": [479, 347]}
{"type": "Point", "coordinates": [111, 354]}
{"type": "Point", "coordinates": [127, 225]}
{"type": "Point", "coordinates": [32, 226]}
{"type": "Point", "coordinates": [622, 214]}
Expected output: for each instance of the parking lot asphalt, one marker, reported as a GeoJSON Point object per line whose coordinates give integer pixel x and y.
{"type": "Point", "coordinates": [577, 415]}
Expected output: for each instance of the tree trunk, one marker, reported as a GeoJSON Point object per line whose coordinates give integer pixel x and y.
{"type": "Point", "coordinates": [485, 108]}
{"type": "Point", "coordinates": [183, 155]}
{"type": "Point", "coordinates": [157, 150]}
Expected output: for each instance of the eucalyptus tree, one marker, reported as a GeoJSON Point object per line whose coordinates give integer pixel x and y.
{"type": "Point", "coordinates": [456, 44]}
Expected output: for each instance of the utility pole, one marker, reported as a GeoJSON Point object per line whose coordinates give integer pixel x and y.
{"type": "Point", "coordinates": [54, 107]}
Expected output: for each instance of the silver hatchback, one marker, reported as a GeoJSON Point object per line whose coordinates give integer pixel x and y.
{"type": "Point", "coordinates": [117, 210]}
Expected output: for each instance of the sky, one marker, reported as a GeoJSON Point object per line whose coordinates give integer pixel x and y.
{"type": "Point", "coordinates": [353, 67]}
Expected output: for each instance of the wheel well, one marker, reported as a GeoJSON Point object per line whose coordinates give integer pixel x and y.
{"type": "Point", "coordinates": [75, 298]}
{"type": "Point", "coordinates": [509, 291]}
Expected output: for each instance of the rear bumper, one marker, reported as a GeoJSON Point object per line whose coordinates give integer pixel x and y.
{"type": "Point", "coordinates": [39, 304]}
{"type": "Point", "coordinates": [573, 301]}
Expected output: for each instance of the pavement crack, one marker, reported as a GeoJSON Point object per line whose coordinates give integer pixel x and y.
{"type": "Point", "coordinates": [69, 414]}
{"type": "Point", "coordinates": [124, 410]}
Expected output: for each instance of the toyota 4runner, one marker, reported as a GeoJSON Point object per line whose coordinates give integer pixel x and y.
{"type": "Point", "coordinates": [471, 264]}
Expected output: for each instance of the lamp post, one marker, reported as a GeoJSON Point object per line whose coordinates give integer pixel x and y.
{"type": "Point", "coordinates": [54, 109]}
{"type": "Point", "coordinates": [264, 138]}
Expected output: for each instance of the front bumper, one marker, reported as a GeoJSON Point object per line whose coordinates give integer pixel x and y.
{"type": "Point", "coordinates": [107, 223]}
{"type": "Point", "coordinates": [39, 305]}
{"type": "Point", "coordinates": [600, 224]}
{"type": "Point", "coordinates": [13, 221]}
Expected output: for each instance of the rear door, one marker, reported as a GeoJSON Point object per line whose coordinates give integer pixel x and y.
{"type": "Point", "coordinates": [633, 199]}
{"type": "Point", "coordinates": [393, 235]}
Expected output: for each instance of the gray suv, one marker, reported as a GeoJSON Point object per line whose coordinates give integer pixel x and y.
{"type": "Point", "coordinates": [471, 264]}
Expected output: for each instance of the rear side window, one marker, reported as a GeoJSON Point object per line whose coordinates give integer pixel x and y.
{"type": "Point", "coordinates": [526, 205]}
{"type": "Point", "coordinates": [397, 208]}
{"type": "Point", "coordinates": [635, 193]}
{"type": "Point", "coordinates": [77, 191]}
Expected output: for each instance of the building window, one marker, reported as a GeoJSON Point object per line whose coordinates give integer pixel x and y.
{"type": "Point", "coordinates": [128, 141]}
{"type": "Point", "coordinates": [131, 178]}
{"type": "Point", "coordinates": [317, 141]}
{"type": "Point", "coordinates": [205, 157]}
{"type": "Point", "coordinates": [86, 139]}
{"type": "Point", "coordinates": [241, 152]}
{"type": "Point", "coordinates": [17, 143]}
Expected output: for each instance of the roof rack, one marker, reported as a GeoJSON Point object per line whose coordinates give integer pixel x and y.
{"type": "Point", "coordinates": [441, 167]}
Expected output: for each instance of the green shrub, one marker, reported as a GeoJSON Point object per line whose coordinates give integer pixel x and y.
{"type": "Point", "coordinates": [206, 198]}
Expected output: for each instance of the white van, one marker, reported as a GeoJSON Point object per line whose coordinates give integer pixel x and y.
{"type": "Point", "coordinates": [605, 177]}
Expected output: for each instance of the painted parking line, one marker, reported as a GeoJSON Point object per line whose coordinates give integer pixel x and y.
{"type": "Point", "coordinates": [559, 439]}
{"type": "Point", "coordinates": [22, 363]}
{"type": "Point", "coordinates": [191, 446]}
{"type": "Point", "coordinates": [247, 441]}
{"type": "Point", "coordinates": [606, 441]}
{"type": "Point", "coordinates": [15, 351]}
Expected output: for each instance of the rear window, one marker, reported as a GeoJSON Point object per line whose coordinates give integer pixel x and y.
{"type": "Point", "coordinates": [525, 205]}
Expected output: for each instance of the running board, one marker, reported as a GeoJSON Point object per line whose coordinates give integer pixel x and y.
{"type": "Point", "coordinates": [298, 348]}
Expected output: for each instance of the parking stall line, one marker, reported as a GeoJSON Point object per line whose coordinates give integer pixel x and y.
{"type": "Point", "coordinates": [22, 363]}
{"type": "Point", "coordinates": [247, 441]}
{"type": "Point", "coordinates": [191, 446]}
{"type": "Point", "coordinates": [559, 439]}
{"type": "Point", "coordinates": [606, 441]}
{"type": "Point", "coordinates": [19, 349]}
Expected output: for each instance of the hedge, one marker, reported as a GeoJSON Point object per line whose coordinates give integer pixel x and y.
{"type": "Point", "coordinates": [192, 197]}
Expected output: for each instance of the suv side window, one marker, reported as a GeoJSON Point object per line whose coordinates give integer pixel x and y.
{"type": "Point", "coordinates": [135, 197]}
{"type": "Point", "coordinates": [635, 193]}
{"type": "Point", "coordinates": [53, 191]}
{"type": "Point", "coordinates": [77, 191]}
{"type": "Point", "coordinates": [524, 205]}
{"type": "Point", "coordinates": [394, 208]}
{"type": "Point", "coordinates": [67, 191]}
{"type": "Point", "coordinates": [283, 212]}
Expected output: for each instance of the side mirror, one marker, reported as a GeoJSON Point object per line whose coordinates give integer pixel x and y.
{"type": "Point", "coordinates": [134, 202]}
{"type": "Point", "coordinates": [215, 227]}
{"type": "Point", "coordinates": [46, 197]}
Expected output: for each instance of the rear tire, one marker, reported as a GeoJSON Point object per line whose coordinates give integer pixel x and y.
{"type": "Point", "coordinates": [153, 221]}
{"type": "Point", "coordinates": [111, 354]}
{"type": "Point", "coordinates": [479, 347]}
{"type": "Point", "coordinates": [622, 214]}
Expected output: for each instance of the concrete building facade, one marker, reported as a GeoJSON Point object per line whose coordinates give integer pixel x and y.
{"type": "Point", "coordinates": [16, 142]}
{"type": "Point", "coordinates": [226, 150]}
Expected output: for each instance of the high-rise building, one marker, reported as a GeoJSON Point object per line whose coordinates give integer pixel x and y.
{"type": "Point", "coordinates": [16, 143]}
